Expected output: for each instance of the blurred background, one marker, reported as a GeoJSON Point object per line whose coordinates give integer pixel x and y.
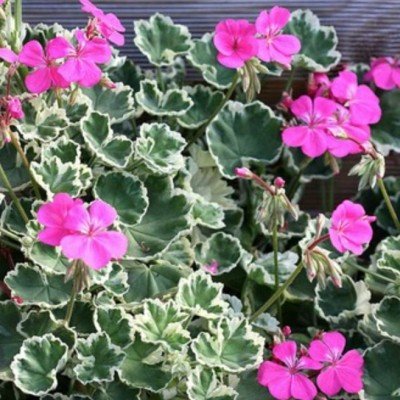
{"type": "Point", "coordinates": [365, 28]}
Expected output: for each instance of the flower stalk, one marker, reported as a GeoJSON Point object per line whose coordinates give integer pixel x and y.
{"type": "Point", "coordinates": [275, 246]}
{"type": "Point", "coordinates": [389, 204]}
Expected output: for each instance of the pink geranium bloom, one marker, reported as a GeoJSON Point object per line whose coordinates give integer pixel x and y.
{"type": "Point", "coordinates": [8, 55]}
{"type": "Point", "coordinates": [363, 103]}
{"type": "Point", "coordinates": [350, 227]}
{"type": "Point", "coordinates": [14, 108]}
{"type": "Point", "coordinates": [46, 74]}
{"type": "Point", "coordinates": [90, 240]}
{"type": "Point", "coordinates": [312, 136]}
{"type": "Point", "coordinates": [53, 216]}
{"type": "Point", "coordinates": [340, 371]}
{"type": "Point", "coordinates": [2, 2]}
{"type": "Point", "coordinates": [274, 45]}
{"type": "Point", "coordinates": [81, 65]}
{"type": "Point", "coordinates": [108, 24]}
{"type": "Point", "coordinates": [346, 136]}
{"type": "Point", "coordinates": [284, 377]}
{"type": "Point", "coordinates": [235, 41]}
{"type": "Point", "coordinates": [385, 72]}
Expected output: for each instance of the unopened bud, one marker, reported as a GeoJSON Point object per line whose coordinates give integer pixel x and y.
{"type": "Point", "coordinates": [107, 83]}
{"type": "Point", "coordinates": [243, 172]}
{"type": "Point", "coordinates": [279, 182]}
{"type": "Point", "coordinates": [286, 331]}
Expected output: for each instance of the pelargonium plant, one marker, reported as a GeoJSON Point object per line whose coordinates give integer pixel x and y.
{"type": "Point", "coordinates": [153, 244]}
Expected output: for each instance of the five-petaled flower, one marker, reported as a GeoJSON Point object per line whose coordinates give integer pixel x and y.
{"type": "Point", "coordinates": [285, 376]}
{"type": "Point", "coordinates": [235, 41]}
{"type": "Point", "coordinates": [273, 45]}
{"type": "Point", "coordinates": [340, 371]}
{"type": "Point", "coordinates": [350, 228]}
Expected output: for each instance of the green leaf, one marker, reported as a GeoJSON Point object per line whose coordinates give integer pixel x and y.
{"type": "Point", "coordinates": [203, 384]}
{"type": "Point", "coordinates": [64, 149]}
{"type": "Point", "coordinates": [225, 249]}
{"type": "Point", "coordinates": [166, 219]}
{"type": "Point", "coordinates": [381, 371]}
{"type": "Point", "coordinates": [242, 133]}
{"type": "Point", "coordinates": [126, 193]}
{"type": "Point", "coordinates": [200, 296]}
{"type": "Point", "coordinates": [210, 215]}
{"type": "Point", "coordinates": [262, 269]}
{"type": "Point", "coordinates": [14, 169]}
{"type": "Point", "coordinates": [56, 176]}
{"type": "Point", "coordinates": [386, 316]}
{"type": "Point", "coordinates": [10, 339]}
{"type": "Point", "coordinates": [42, 122]}
{"type": "Point", "coordinates": [174, 102]}
{"type": "Point", "coordinates": [82, 317]}
{"type": "Point", "coordinates": [113, 150]}
{"type": "Point", "coordinates": [98, 359]}
{"type": "Point", "coordinates": [36, 365]}
{"type": "Point", "coordinates": [138, 370]}
{"type": "Point", "coordinates": [248, 387]}
{"type": "Point", "coordinates": [384, 219]}
{"type": "Point", "coordinates": [148, 281]}
{"type": "Point", "coordinates": [224, 347]}
{"type": "Point", "coordinates": [160, 148]}
{"type": "Point", "coordinates": [117, 280]}
{"type": "Point", "coordinates": [116, 391]}
{"type": "Point", "coordinates": [318, 43]}
{"type": "Point", "coordinates": [337, 304]}
{"type": "Point", "coordinates": [162, 323]}
{"type": "Point", "coordinates": [205, 102]}
{"type": "Point", "coordinates": [116, 323]}
{"type": "Point", "coordinates": [37, 287]}
{"type": "Point", "coordinates": [160, 40]}
{"type": "Point", "coordinates": [117, 103]}
{"type": "Point", "coordinates": [386, 133]}
{"type": "Point", "coordinates": [203, 56]}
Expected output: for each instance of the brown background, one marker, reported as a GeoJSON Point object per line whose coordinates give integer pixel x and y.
{"type": "Point", "coordinates": [365, 28]}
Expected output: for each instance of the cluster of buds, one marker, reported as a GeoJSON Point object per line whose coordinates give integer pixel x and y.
{"type": "Point", "coordinates": [275, 203]}
{"type": "Point", "coordinates": [317, 260]}
{"type": "Point", "coordinates": [370, 168]}
{"type": "Point", "coordinates": [10, 110]}
{"type": "Point", "coordinates": [250, 80]}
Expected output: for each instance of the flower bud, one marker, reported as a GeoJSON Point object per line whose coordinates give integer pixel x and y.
{"type": "Point", "coordinates": [243, 172]}
{"type": "Point", "coordinates": [212, 268]}
{"type": "Point", "coordinates": [369, 169]}
{"type": "Point", "coordinates": [14, 108]}
{"type": "Point", "coordinates": [286, 331]}
{"type": "Point", "coordinates": [279, 182]}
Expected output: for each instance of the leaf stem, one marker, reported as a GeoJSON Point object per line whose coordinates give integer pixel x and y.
{"type": "Point", "coordinates": [15, 199]}
{"type": "Point", "coordinates": [25, 161]}
{"type": "Point", "coordinates": [8, 243]}
{"type": "Point", "coordinates": [372, 273]}
{"type": "Point", "coordinates": [198, 134]}
{"type": "Point", "coordinates": [275, 246]}
{"type": "Point", "coordinates": [160, 79]}
{"type": "Point", "coordinates": [277, 294]}
{"type": "Point", "coordinates": [289, 82]}
{"type": "Point", "coordinates": [18, 21]}
{"type": "Point", "coordinates": [389, 204]}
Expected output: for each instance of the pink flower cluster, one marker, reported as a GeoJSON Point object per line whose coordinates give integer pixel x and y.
{"type": "Point", "coordinates": [335, 117]}
{"type": "Point", "coordinates": [385, 72]}
{"type": "Point", "coordinates": [238, 41]}
{"type": "Point", "coordinates": [82, 232]}
{"type": "Point", "coordinates": [61, 63]}
{"type": "Point", "coordinates": [291, 375]}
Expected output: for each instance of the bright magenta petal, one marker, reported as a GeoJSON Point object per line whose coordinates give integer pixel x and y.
{"type": "Point", "coordinates": [328, 382]}
{"type": "Point", "coordinates": [302, 388]}
{"type": "Point", "coordinates": [286, 352]}
{"type": "Point", "coordinates": [102, 214]}
{"type": "Point", "coordinates": [32, 54]}
{"type": "Point", "coordinates": [39, 81]}
{"type": "Point", "coordinates": [8, 55]}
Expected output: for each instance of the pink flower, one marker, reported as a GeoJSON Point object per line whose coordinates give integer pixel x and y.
{"type": "Point", "coordinates": [274, 45]}
{"type": "Point", "coordinates": [385, 72]}
{"type": "Point", "coordinates": [318, 84]}
{"type": "Point", "coordinates": [284, 378]}
{"type": "Point", "coordinates": [14, 108]}
{"type": "Point", "coordinates": [363, 104]}
{"type": "Point", "coordinates": [350, 227]}
{"type": "Point", "coordinates": [81, 65]}
{"type": "Point", "coordinates": [46, 74]}
{"type": "Point", "coordinates": [279, 182]}
{"type": "Point", "coordinates": [339, 372]}
{"type": "Point", "coordinates": [8, 55]}
{"type": "Point", "coordinates": [346, 136]}
{"type": "Point", "coordinates": [235, 41]}
{"type": "Point", "coordinates": [312, 136]}
{"type": "Point", "coordinates": [90, 240]}
{"type": "Point", "coordinates": [2, 2]}
{"type": "Point", "coordinates": [212, 268]}
{"type": "Point", "coordinates": [243, 172]}
{"type": "Point", "coordinates": [53, 216]}
{"type": "Point", "coordinates": [108, 24]}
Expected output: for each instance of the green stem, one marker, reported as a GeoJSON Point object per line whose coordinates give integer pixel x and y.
{"type": "Point", "coordinates": [389, 204]}
{"type": "Point", "coordinates": [15, 199]}
{"type": "Point", "coordinates": [372, 273]}
{"type": "Point", "coordinates": [18, 21]}
{"type": "Point", "coordinates": [74, 293]}
{"type": "Point", "coordinates": [289, 82]}
{"type": "Point", "coordinates": [275, 247]}
{"type": "Point", "coordinates": [271, 301]}
{"type": "Point", "coordinates": [228, 95]}
{"type": "Point", "coordinates": [26, 163]}
{"type": "Point", "coordinates": [160, 79]}
{"type": "Point", "coordinates": [8, 243]}
{"type": "Point", "coordinates": [9, 234]}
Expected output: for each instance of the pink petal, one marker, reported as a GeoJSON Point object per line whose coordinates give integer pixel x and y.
{"type": "Point", "coordinates": [270, 371]}
{"type": "Point", "coordinates": [302, 388]}
{"type": "Point", "coordinates": [365, 107]}
{"type": "Point", "coordinates": [115, 37]}
{"type": "Point", "coordinates": [280, 387]}
{"type": "Point", "coordinates": [302, 107]}
{"type": "Point", "coordinates": [352, 359]}
{"type": "Point", "coordinates": [382, 75]}
{"type": "Point", "coordinates": [308, 363]}
{"type": "Point", "coordinates": [73, 70]}
{"type": "Point", "coordinates": [52, 236]}
{"type": "Point", "coordinates": [8, 55]}
{"type": "Point", "coordinates": [350, 245]}
{"type": "Point", "coordinates": [57, 48]}
{"type": "Point", "coordinates": [315, 144]}
{"type": "Point", "coordinates": [92, 75]}
{"type": "Point", "coordinates": [285, 352]}
{"type": "Point", "coordinates": [113, 22]}
{"type": "Point", "coordinates": [224, 43]}
{"type": "Point", "coordinates": [295, 136]}
{"type": "Point", "coordinates": [335, 342]}
{"type": "Point", "coordinates": [262, 22]}
{"type": "Point", "coordinates": [96, 50]}
{"type": "Point", "coordinates": [115, 242]}
{"type": "Point", "coordinates": [324, 107]}
{"type": "Point", "coordinates": [335, 240]}
{"type": "Point", "coordinates": [102, 214]}
{"type": "Point", "coordinates": [287, 44]}
{"type": "Point", "coordinates": [344, 86]}
{"type": "Point", "coordinates": [360, 232]}
{"type": "Point", "coordinates": [53, 213]}
{"type": "Point", "coordinates": [57, 79]}
{"type": "Point", "coordinates": [78, 219]}
{"type": "Point", "coordinates": [32, 54]}
{"type": "Point", "coordinates": [279, 57]}
{"type": "Point", "coordinates": [39, 81]}
{"type": "Point", "coordinates": [350, 379]}
{"type": "Point", "coordinates": [328, 382]}
{"type": "Point", "coordinates": [247, 48]}
{"type": "Point", "coordinates": [264, 52]}
{"type": "Point", "coordinates": [89, 7]}
{"type": "Point", "coordinates": [232, 61]}
{"type": "Point", "coordinates": [279, 17]}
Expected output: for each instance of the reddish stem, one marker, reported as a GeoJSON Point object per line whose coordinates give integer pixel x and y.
{"type": "Point", "coordinates": [316, 242]}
